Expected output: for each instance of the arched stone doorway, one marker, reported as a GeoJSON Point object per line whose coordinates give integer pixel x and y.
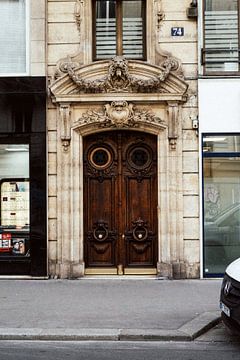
{"type": "Point", "coordinates": [92, 101]}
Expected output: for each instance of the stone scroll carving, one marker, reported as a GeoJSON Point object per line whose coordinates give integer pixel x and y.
{"type": "Point", "coordinates": [173, 110]}
{"type": "Point", "coordinates": [163, 57]}
{"type": "Point", "coordinates": [118, 78]}
{"type": "Point", "coordinates": [119, 114]}
{"type": "Point", "coordinates": [159, 13]}
{"type": "Point", "coordinates": [78, 13]}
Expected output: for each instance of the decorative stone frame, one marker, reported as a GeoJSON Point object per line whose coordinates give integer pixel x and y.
{"type": "Point", "coordinates": [85, 107]}
{"type": "Point", "coordinates": [83, 18]}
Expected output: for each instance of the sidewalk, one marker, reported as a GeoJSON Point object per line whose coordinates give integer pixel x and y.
{"type": "Point", "coordinates": [108, 309]}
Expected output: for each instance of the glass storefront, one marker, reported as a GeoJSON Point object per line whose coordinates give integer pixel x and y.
{"type": "Point", "coordinates": [221, 206]}
{"type": "Point", "coordinates": [23, 230]}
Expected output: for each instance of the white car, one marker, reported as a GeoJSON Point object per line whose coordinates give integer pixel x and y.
{"type": "Point", "coordinates": [230, 297]}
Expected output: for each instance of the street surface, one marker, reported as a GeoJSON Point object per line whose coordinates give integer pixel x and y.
{"type": "Point", "coordinates": [35, 350]}
{"type": "Point", "coordinates": [214, 345]}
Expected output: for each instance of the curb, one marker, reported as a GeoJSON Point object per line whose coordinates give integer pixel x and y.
{"type": "Point", "coordinates": [187, 332]}
{"type": "Point", "coordinates": [201, 324]}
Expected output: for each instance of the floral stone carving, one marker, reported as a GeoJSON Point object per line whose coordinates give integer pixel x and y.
{"type": "Point", "coordinates": [119, 114]}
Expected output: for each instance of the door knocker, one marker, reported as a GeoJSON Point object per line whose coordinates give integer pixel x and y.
{"type": "Point", "coordinates": [140, 231]}
{"type": "Point", "coordinates": [100, 232]}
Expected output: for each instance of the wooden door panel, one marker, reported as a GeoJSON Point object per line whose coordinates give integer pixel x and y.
{"type": "Point", "coordinates": [139, 223]}
{"type": "Point", "coordinates": [103, 194]}
{"type": "Point", "coordinates": [120, 199]}
{"type": "Point", "coordinates": [100, 207]}
{"type": "Point", "coordinates": [140, 182]}
{"type": "Point", "coordinates": [138, 200]}
{"type": "Point", "coordinates": [101, 219]}
{"type": "Point", "coordinates": [139, 254]}
{"type": "Point", "coordinates": [101, 254]}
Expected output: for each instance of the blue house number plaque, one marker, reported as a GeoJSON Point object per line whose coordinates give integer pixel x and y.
{"type": "Point", "coordinates": [177, 31]}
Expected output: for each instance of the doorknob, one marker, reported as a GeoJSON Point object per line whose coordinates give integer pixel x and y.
{"type": "Point", "coordinates": [123, 236]}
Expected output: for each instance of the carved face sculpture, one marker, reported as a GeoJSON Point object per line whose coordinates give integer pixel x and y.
{"type": "Point", "coordinates": [119, 66]}
{"type": "Point", "coordinates": [119, 112]}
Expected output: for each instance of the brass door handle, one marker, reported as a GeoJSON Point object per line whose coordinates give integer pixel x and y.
{"type": "Point", "coordinates": [123, 236]}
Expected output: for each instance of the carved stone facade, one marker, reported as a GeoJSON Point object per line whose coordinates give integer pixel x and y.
{"type": "Point", "coordinates": [156, 96]}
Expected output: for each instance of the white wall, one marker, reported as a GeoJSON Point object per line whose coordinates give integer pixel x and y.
{"type": "Point", "coordinates": [219, 105]}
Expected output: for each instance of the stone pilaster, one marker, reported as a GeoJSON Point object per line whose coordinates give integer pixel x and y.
{"type": "Point", "coordinates": [64, 193]}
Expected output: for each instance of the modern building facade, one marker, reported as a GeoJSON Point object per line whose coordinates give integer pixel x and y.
{"type": "Point", "coordinates": [219, 120]}
{"type": "Point", "coordinates": [119, 145]}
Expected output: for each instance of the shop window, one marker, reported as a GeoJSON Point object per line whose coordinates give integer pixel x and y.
{"type": "Point", "coordinates": [118, 29]}
{"type": "Point", "coordinates": [221, 202]}
{"type": "Point", "coordinates": [23, 241]}
{"type": "Point", "coordinates": [220, 53]}
{"type": "Point", "coordinates": [14, 203]}
{"type": "Point", "coordinates": [13, 37]}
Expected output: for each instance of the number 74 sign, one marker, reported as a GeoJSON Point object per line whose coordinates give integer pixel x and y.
{"type": "Point", "coordinates": [177, 31]}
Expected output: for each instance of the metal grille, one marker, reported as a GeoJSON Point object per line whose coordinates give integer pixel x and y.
{"type": "Point", "coordinates": [233, 298]}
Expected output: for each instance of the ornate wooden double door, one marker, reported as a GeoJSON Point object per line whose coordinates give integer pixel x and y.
{"type": "Point", "coordinates": [120, 200]}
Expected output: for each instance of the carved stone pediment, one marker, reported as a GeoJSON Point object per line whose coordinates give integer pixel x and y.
{"type": "Point", "coordinates": [118, 76]}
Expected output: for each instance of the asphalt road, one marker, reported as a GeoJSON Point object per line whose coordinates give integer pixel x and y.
{"type": "Point", "coordinates": [216, 344]}
{"type": "Point", "coordinates": [34, 350]}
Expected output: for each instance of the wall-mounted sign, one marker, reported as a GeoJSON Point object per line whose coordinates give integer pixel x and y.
{"type": "Point", "coordinates": [177, 31]}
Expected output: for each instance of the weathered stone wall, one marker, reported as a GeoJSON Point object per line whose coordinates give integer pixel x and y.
{"type": "Point", "coordinates": [62, 40]}
{"type": "Point", "coordinates": [185, 48]}
{"type": "Point", "coordinates": [69, 34]}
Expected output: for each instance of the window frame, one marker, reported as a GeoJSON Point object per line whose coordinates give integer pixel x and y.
{"type": "Point", "coordinates": [203, 49]}
{"type": "Point", "coordinates": [27, 49]}
{"type": "Point", "coordinates": [213, 155]}
{"type": "Point", "coordinates": [119, 46]}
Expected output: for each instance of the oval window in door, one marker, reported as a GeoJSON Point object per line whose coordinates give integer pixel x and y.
{"type": "Point", "coordinates": [100, 158]}
{"type": "Point", "coordinates": [140, 157]}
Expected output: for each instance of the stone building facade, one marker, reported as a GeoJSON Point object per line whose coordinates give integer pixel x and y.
{"type": "Point", "coordinates": [89, 100]}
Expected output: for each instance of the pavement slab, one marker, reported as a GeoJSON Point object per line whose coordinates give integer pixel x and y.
{"type": "Point", "coordinates": [188, 332]}
{"type": "Point", "coordinates": [103, 309]}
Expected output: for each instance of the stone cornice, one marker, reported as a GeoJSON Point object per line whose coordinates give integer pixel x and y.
{"type": "Point", "coordinates": [103, 98]}
{"type": "Point", "coordinates": [118, 76]}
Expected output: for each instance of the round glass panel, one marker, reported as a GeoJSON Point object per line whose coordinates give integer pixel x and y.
{"type": "Point", "coordinates": [100, 158]}
{"type": "Point", "coordinates": [139, 157]}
